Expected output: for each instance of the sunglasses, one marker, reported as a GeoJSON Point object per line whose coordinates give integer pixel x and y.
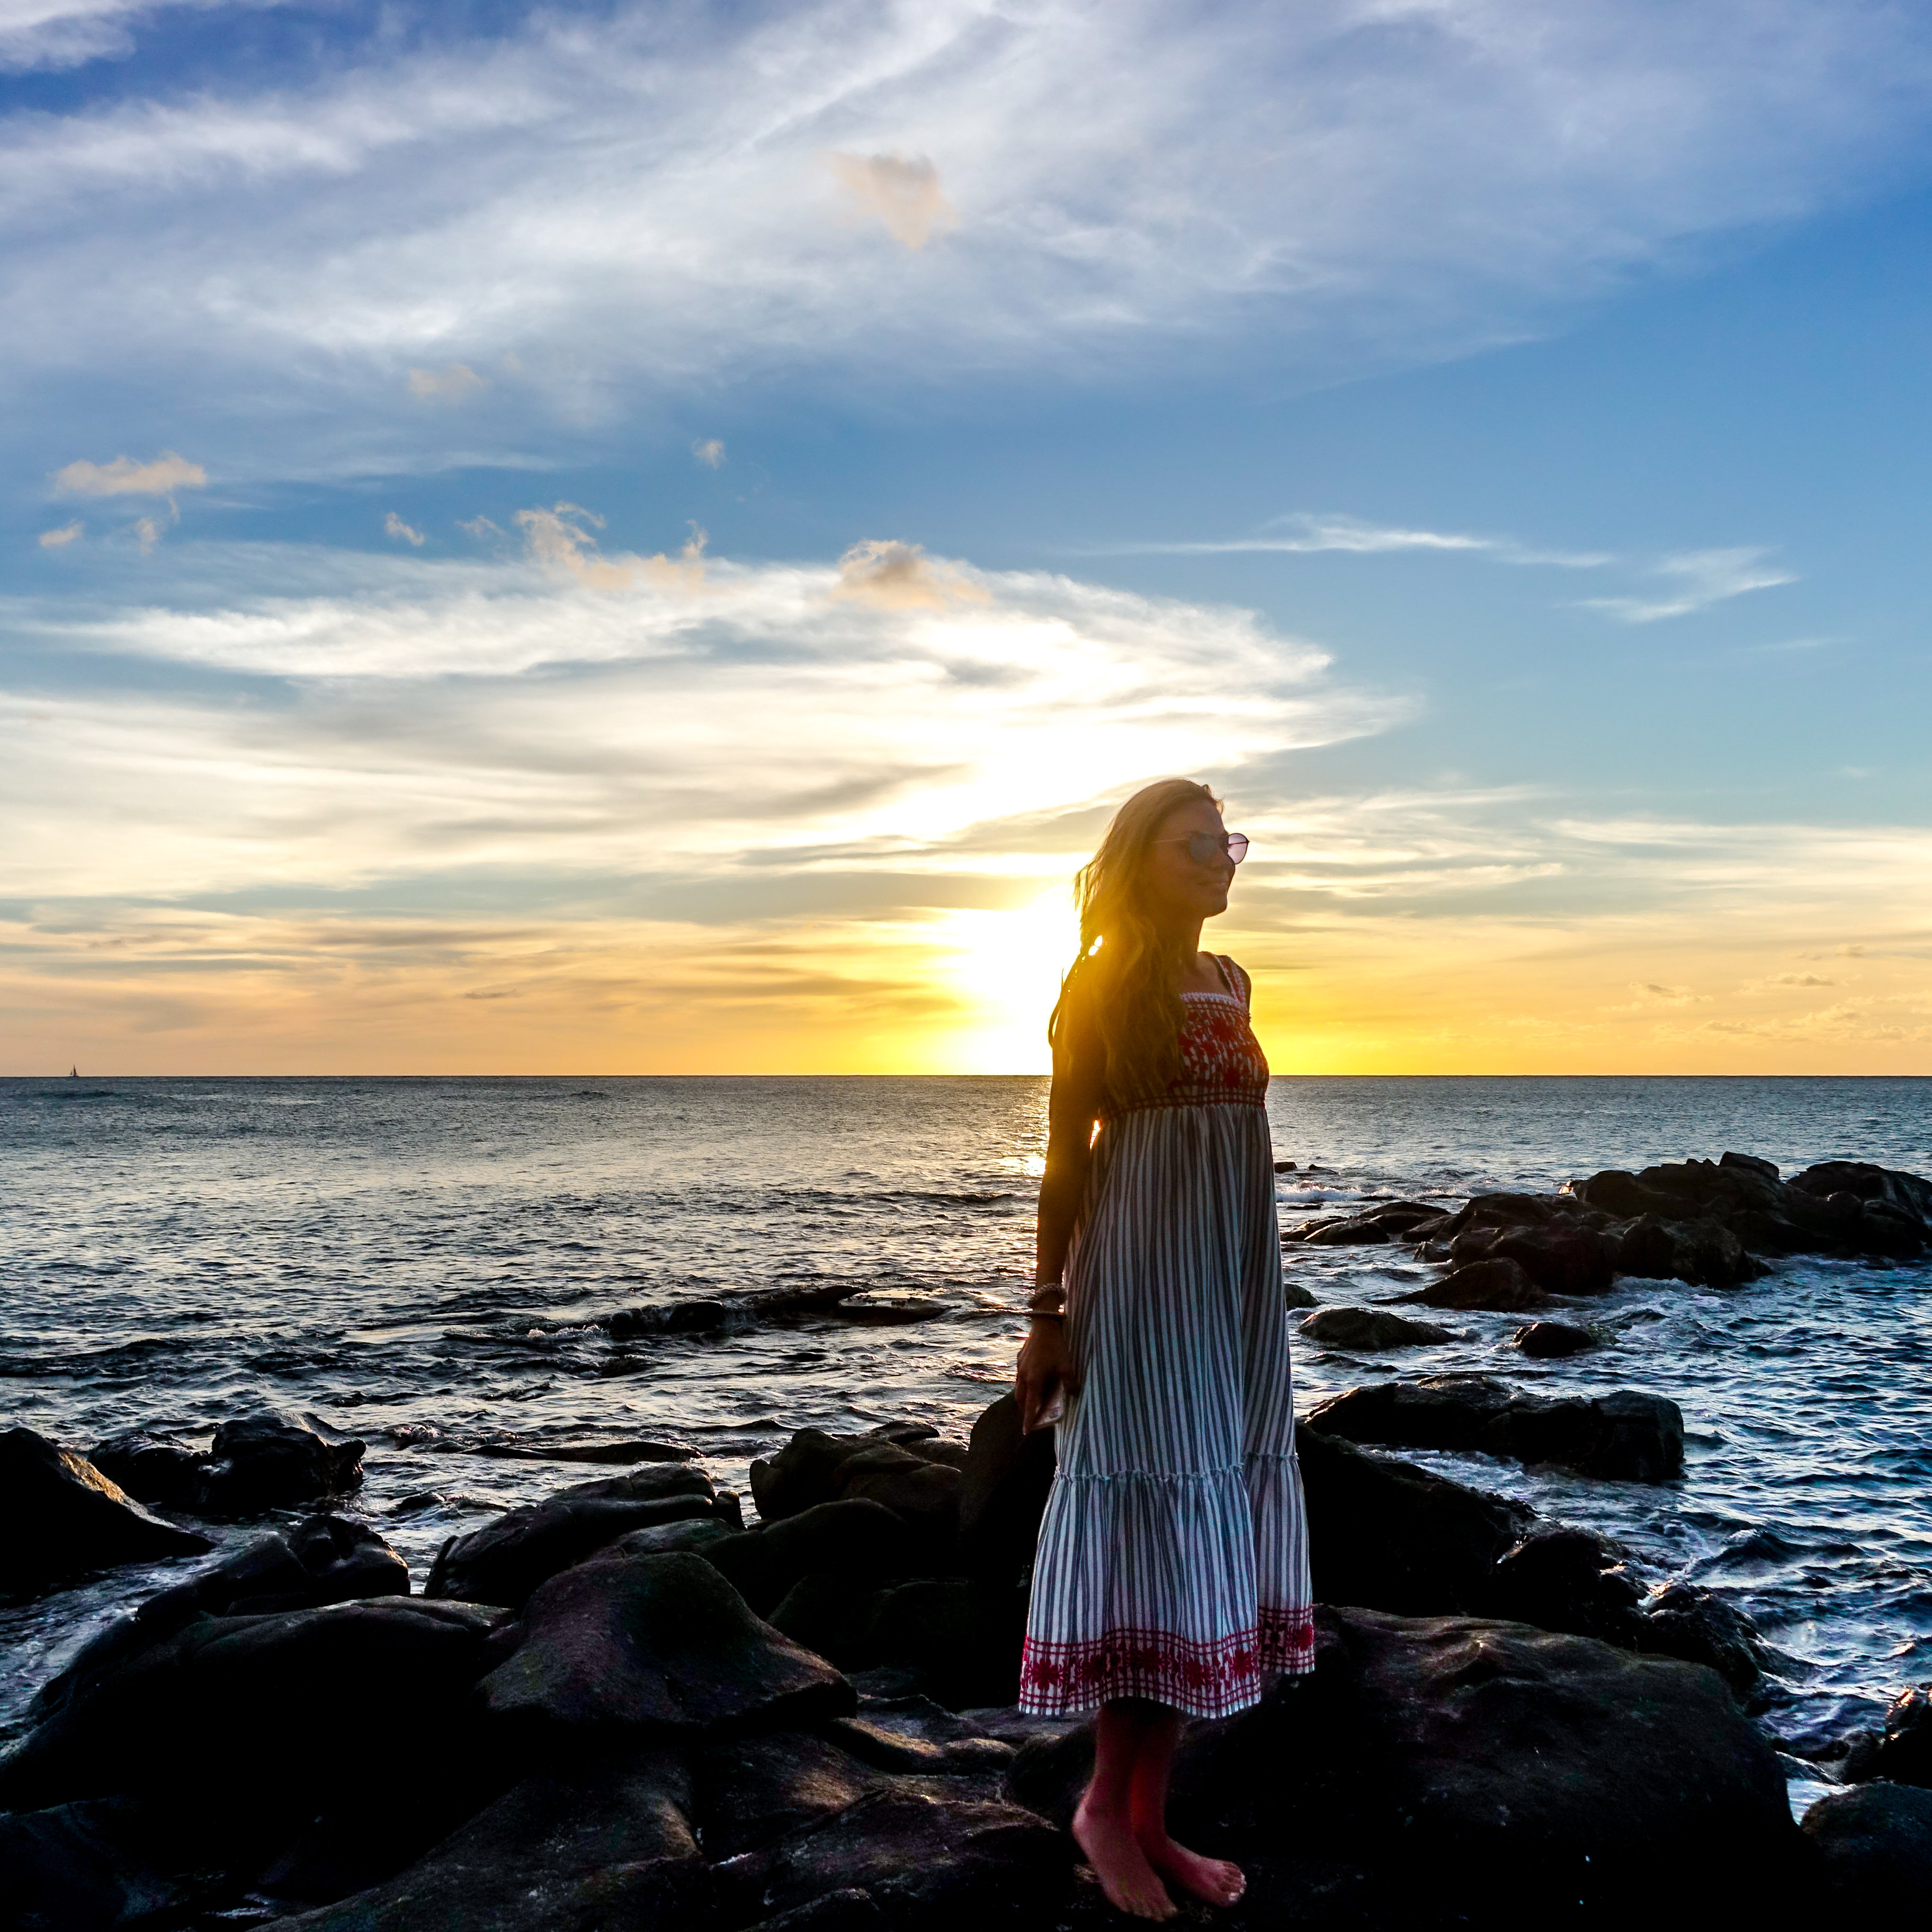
{"type": "Point", "coordinates": [1203, 847]}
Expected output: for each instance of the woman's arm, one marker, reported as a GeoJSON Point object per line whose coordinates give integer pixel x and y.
{"type": "Point", "coordinates": [1073, 1103]}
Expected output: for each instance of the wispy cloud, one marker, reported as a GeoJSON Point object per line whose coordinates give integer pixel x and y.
{"type": "Point", "coordinates": [1447, 177]}
{"type": "Point", "coordinates": [126, 476]}
{"type": "Point", "coordinates": [710, 452]}
{"type": "Point", "coordinates": [897, 576]}
{"type": "Point", "coordinates": [1696, 580]}
{"type": "Point", "coordinates": [1303, 534]}
{"type": "Point", "coordinates": [59, 539]}
{"type": "Point", "coordinates": [394, 526]}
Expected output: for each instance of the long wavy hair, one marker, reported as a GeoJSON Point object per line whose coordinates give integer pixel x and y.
{"type": "Point", "coordinates": [1128, 967]}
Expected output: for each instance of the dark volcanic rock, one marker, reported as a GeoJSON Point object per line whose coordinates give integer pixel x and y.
{"type": "Point", "coordinates": [659, 1644]}
{"type": "Point", "coordinates": [947, 1863]}
{"type": "Point", "coordinates": [1390, 1537]}
{"type": "Point", "coordinates": [1560, 1255]}
{"type": "Point", "coordinates": [750, 1790]}
{"type": "Point", "coordinates": [67, 1518]}
{"type": "Point", "coordinates": [504, 1561]}
{"type": "Point", "coordinates": [267, 1461]}
{"type": "Point", "coordinates": [1904, 1754]}
{"type": "Point", "coordinates": [1875, 1844]}
{"type": "Point", "coordinates": [1542, 1340]}
{"type": "Point", "coordinates": [1501, 1284]}
{"type": "Point", "coordinates": [304, 1691]}
{"type": "Point", "coordinates": [1370, 1328]}
{"type": "Point", "coordinates": [1428, 1762]}
{"type": "Point", "coordinates": [676, 1318]}
{"type": "Point", "coordinates": [1625, 1436]}
{"type": "Point", "coordinates": [594, 1845]}
{"type": "Point", "coordinates": [1002, 1491]}
{"type": "Point", "coordinates": [1566, 1580]}
{"type": "Point", "coordinates": [831, 1614]}
{"type": "Point", "coordinates": [913, 1474]}
{"type": "Point", "coordinates": [1681, 1621]}
{"type": "Point", "coordinates": [93, 1866]}
{"type": "Point", "coordinates": [858, 1540]}
{"type": "Point", "coordinates": [1387, 1221]}
{"type": "Point", "coordinates": [343, 1560]}
{"type": "Point", "coordinates": [156, 1469]}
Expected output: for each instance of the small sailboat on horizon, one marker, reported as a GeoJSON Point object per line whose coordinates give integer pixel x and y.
{"type": "Point", "coordinates": [73, 1072]}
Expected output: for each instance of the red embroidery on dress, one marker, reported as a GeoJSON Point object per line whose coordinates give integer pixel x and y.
{"type": "Point", "coordinates": [1221, 1061]}
{"type": "Point", "coordinates": [1222, 1675]}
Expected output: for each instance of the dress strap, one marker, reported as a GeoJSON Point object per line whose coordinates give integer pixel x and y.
{"type": "Point", "coordinates": [1236, 979]}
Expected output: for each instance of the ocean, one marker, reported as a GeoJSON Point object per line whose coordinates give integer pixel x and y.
{"type": "Point", "coordinates": [423, 1262]}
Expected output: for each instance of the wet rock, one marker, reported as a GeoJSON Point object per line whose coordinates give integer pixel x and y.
{"type": "Point", "coordinates": [325, 1560]}
{"type": "Point", "coordinates": [1388, 1536]}
{"type": "Point", "coordinates": [1625, 1436]}
{"type": "Point", "coordinates": [1910, 1194]}
{"type": "Point", "coordinates": [303, 1691]}
{"type": "Point", "coordinates": [1002, 1491]}
{"type": "Point", "coordinates": [694, 1533]}
{"type": "Point", "coordinates": [873, 1740]}
{"type": "Point", "coordinates": [67, 1518]}
{"type": "Point", "coordinates": [1703, 1252]}
{"type": "Point", "coordinates": [160, 1470]}
{"type": "Point", "coordinates": [923, 1493]}
{"type": "Point", "coordinates": [1875, 1845]}
{"type": "Point", "coordinates": [1681, 1620]}
{"type": "Point", "coordinates": [505, 1560]}
{"type": "Point", "coordinates": [806, 1471]}
{"type": "Point", "coordinates": [1295, 1295]}
{"type": "Point", "coordinates": [1560, 1255]}
{"type": "Point", "coordinates": [1426, 1756]}
{"type": "Point", "coordinates": [948, 1863]}
{"type": "Point", "coordinates": [583, 1848]}
{"type": "Point", "coordinates": [659, 1644]}
{"type": "Point", "coordinates": [1566, 1580]}
{"type": "Point", "coordinates": [1387, 1221]}
{"type": "Point", "coordinates": [1903, 1753]}
{"type": "Point", "coordinates": [1501, 1284]}
{"type": "Point", "coordinates": [858, 1539]}
{"type": "Point", "coordinates": [264, 1462]}
{"type": "Point", "coordinates": [96, 1865]}
{"type": "Point", "coordinates": [677, 1318]}
{"type": "Point", "coordinates": [1542, 1341]}
{"type": "Point", "coordinates": [752, 1790]}
{"type": "Point", "coordinates": [1370, 1328]}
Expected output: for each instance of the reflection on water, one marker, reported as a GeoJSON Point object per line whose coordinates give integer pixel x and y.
{"type": "Point", "coordinates": [419, 1260]}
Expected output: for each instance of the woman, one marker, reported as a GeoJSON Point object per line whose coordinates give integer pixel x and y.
{"type": "Point", "coordinates": [1172, 1570]}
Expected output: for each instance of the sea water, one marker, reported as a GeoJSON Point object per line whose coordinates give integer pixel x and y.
{"type": "Point", "coordinates": [424, 1263]}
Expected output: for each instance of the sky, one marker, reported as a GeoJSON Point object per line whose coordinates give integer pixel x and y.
{"type": "Point", "coordinates": [626, 539]}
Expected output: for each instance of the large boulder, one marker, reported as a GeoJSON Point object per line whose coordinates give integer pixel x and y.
{"type": "Point", "coordinates": [1002, 1491]}
{"type": "Point", "coordinates": [1566, 1580]}
{"type": "Point", "coordinates": [1445, 1771]}
{"type": "Point", "coordinates": [1875, 1845]}
{"type": "Point", "coordinates": [963, 1636]}
{"type": "Point", "coordinates": [857, 1540]}
{"type": "Point", "coordinates": [1680, 1620]}
{"type": "Point", "coordinates": [160, 1470]}
{"type": "Point", "coordinates": [304, 1692]}
{"type": "Point", "coordinates": [590, 1845]}
{"type": "Point", "coordinates": [1542, 1341]}
{"type": "Point", "coordinates": [96, 1865]}
{"type": "Point", "coordinates": [1561, 1255]}
{"type": "Point", "coordinates": [1904, 1754]}
{"type": "Point", "coordinates": [811, 1468]}
{"type": "Point", "coordinates": [505, 1560]}
{"type": "Point", "coordinates": [326, 1559]}
{"type": "Point", "coordinates": [1625, 1436]}
{"type": "Point", "coordinates": [1370, 1328]}
{"type": "Point", "coordinates": [752, 1790]}
{"type": "Point", "coordinates": [1500, 1283]}
{"type": "Point", "coordinates": [67, 1518]}
{"type": "Point", "coordinates": [936, 1862]}
{"type": "Point", "coordinates": [658, 1645]}
{"type": "Point", "coordinates": [264, 1462]}
{"type": "Point", "coordinates": [1388, 1536]}
{"type": "Point", "coordinates": [1387, 1221]}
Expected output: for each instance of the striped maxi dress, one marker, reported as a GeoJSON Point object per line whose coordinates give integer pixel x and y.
{"type": "Point", "coordinates": [1173, 1556]}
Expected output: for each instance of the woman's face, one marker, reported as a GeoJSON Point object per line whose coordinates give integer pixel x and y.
{"type": "Point", "coordinates": [1178, 882]}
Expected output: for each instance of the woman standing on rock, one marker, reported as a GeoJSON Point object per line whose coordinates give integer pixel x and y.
{"type": "Point", "coordinates": [1172, 1569]}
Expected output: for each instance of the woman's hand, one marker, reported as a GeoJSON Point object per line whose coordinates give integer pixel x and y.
{"type": "Point", "coordinates": [1044, 1372]}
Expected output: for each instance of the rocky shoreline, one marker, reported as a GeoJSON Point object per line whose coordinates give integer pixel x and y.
{"type": "Point", "coordinates": [622, 1707]}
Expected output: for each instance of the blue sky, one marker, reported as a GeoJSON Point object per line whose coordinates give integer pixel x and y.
{"type": "Point", "coordinates": [651, 538]}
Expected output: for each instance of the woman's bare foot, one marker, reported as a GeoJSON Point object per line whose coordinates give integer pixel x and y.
{"type": "Point", "coordinates": [1213, 1880]}
{"type": "Point", "coordinates": [1121, 1866]}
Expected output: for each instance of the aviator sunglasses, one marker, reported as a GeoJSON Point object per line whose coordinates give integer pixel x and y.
{"type": "Point", "coordinates": [1203, 847]}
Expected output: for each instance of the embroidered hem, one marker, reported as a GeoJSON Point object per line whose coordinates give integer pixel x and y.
{"type": "Point", "coordinates": [1205, 1679]}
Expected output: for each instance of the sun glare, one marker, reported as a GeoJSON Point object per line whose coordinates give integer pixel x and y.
{"type": "Point", "coordinates": [1006, 966]}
